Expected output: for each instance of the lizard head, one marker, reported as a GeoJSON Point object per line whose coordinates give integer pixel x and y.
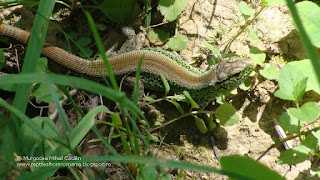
{"type": "Point", "coordinates": [231, 67]}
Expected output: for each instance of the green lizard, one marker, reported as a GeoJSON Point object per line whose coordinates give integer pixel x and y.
{"type": "Point", "coordinates": [202, 86]}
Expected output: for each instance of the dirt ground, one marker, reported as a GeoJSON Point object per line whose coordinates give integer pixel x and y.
{"type": "Point", "coordinates": [201, 21]}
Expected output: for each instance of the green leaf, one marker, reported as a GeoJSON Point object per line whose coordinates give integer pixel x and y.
{"type": "Point", "coordinates": [294, 93]}
{"type": "Point", "coordinates": [149, 98]}
{"type": "Point", "coordinates": [292, 81]}
{"type": "Point", "coordinates": [266, 3]}
{"type": "Point", "coordinates": [165, 83]}
{"type": "Point", "coordinates": [245, 10]}
{"type": "Point", "coordinates": [292, 156]}
{"type": "Point", "coordinates": [212, 49]}
{"type": "Point", "coordinates": [73, 34]}
{"type": "Point", "coordinates": [211, 125]}
{"type": "Point", "coordinates": [86, 53]}
{"type": "Point", "coordinates": [158, 37]}
{"type": "Point", "coordinates": [84, 41]}
{"type": "Point", "coordinates": [248, 168]}
{"type": "Point", "coordinates": [227, 115]}
{"type": "Point", "coordinates": [10, 88]}
{"type": "Point", "coordinates": [179, 97]}
{"type": "Point", "coordinates": [116, 119]}
{"type": "Point", "coordinates": [246, 84]}
{"type": "Point", "coordinates": [177, 105]}
{"type": "Point", "coordinates": [309, 13]}
{"type": "Point", "coordinates": [310, 144]}
{"type": "Point", "coordinates": [306, 68]}
{"type": "Point", "coordinates": [42, 92]}
{"type": "Point", "coordinates": [148, 172]}
{"type": "Point", "coordinates": [119, 10]}
{"type": "Point", "coordinates": [2, 59]}
{"type": "Point", "coordinates": [309, 112]}
{"type": "Point", "coordinates": [268, 72]}
{"type": "Point", "coordinates": [42, 65]}
{"type": "Point", "coordinates": [253, 34]}
{"type": "Point", "coordinates": [171, 9]}
{"type": "Point", "coordinates": [201, 125]}
{"type": "Point", "coordinates": [289, 123]}
{"type": "Point", "coordinates": [257, 55]}
{"type": "Point", "coordinates": [300, 88]}
{"type": "Point", "coordinates": [33, 144]}
{"type": "Point", "coordinates": [178, 43]}
{"type": "Point", "coordinates": [194, 105]}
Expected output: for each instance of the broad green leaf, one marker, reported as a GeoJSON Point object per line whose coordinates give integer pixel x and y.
{"type": "Point", "coordinates": [300, 88]}
{"type": "Point", "coordinates": [268, 72]}
{"type": "Point", "coordinates": [212, 49]}
{"type": "Point", "coordinates": [253, 34]}
{"type": "Point", "coordinates": [257, 55]}
{"type": "Point", "coordinates": [246, 84]}
{"type": "Point", "coordinates": [309, 112]}
{"type": "Point", "coordinates": [171, 9]}
{"type": "Point", "coordinates": [73, 34]}
{"type": "Point", "coordinates": [147, 172]}
{"type": "Point", "coordinates": [292, 156]}
{"type": "Point", "coordinates": [245, 10]}
{"type": "Point", "coordinates": [42, 64]}
{"type": "Point", "coordinates": [309, 13]}
{"type": "Point", "coordinates": [227, 115]}
{"type": "Point", "coordinates": [178, 43]}
{"type": "Point", "coordinates": [266, 3]}
{"type": "Point", "coordinates": [86, 53]}
{"type": "Point", "coordinates": [33, 143]}
{"type": "Point", "coordinates": [248, 168]}
{"type": "Point", "coordinates": [41, 92]}
{"type": "Point", "coordinates": [293, 81]}
{"type": "Point", "coordinates": [158, 37]}
{"type": "Point", "coordinates": [293, 92]}
{"type": "Point", "coordinates": [289, 123]}
{"type": "Point", "coordinates": [310, 144]}
{"type": "Point", "coordinates": [84, 41]}
{"type": "Point", "coordinates": [306, 68]}
{"type": "Point", "coordinates": [221, 99]}
{"type": "Point", "coordinates": [2, 59]}
{"type": "Point", "coordinates": [119, 10]}
{"type": "Point", "coordinates": [201, 125]}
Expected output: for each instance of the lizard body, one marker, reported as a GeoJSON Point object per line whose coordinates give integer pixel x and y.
{"type": "Point", "coordinates": [203, 86]}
